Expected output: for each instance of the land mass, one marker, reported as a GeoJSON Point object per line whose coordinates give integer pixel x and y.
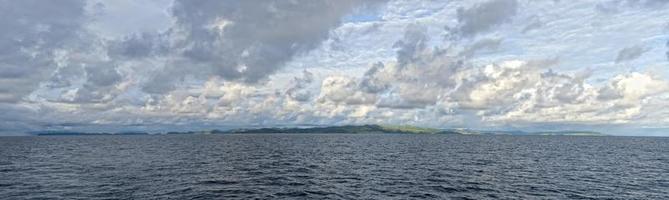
{"type": "Point", "coordinates": [350, 129]}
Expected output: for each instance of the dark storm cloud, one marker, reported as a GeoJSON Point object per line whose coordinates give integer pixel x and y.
{"type": "Point", "coordinates": [630, 53]}
{"type": "Point", "coordinates": [31, 31]}
{"type": "Point", "coordinates": [249, 40]}
{"type": "Point", "coordinates": [484, 16]}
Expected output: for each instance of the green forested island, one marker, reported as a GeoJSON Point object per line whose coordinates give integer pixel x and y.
{"type": "Point", "coordinates": [402, 129]}
{"type": "Point", "coordinates": [350, 129]}
{"type": "Point", "coordinates": [347, 129]}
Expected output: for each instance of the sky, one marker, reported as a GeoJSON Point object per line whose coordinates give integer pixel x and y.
{"type": "Point", "coordinates": [173, 65]}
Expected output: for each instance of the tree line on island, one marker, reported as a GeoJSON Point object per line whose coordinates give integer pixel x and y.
{"type": "Point", "coordinates": [346, 129]}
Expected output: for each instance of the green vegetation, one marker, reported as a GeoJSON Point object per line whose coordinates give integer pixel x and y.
{"type": "Point", "coordinates": [340, 129]}
{"type": "Point", "coordinates": [407, 129]}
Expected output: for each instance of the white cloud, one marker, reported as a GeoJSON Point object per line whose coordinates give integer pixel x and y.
{"type": "Point", "coordinates": [343, 90]}
{"type": "Point", "coordinates": [499, 63]}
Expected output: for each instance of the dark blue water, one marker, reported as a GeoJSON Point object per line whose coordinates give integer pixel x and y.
{"type": "Point", "coordinates": [367, 166]}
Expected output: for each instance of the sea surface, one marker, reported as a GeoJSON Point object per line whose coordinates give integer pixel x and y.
{"type": "Point", "coordinates": [333, 166]}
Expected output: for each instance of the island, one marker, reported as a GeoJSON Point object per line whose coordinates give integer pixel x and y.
{"type": "Point", "coordinates": [64, 133]}
{"type": "Point", "coordinates": [354, 129]}
{"type": "Point", "coordinates": [345, 129]}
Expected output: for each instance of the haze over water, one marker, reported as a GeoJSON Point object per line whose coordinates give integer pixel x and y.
{"type": "Point", "coordinates": [333, 166]}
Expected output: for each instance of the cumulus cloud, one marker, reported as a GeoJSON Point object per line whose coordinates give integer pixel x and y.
{"type": "Point", "coordinates": [300, 90]}
{"type": "Point", "coordinates": [343, 90]}
{"type": "Point", "coordinates": [512, 91]}
{"type": "Point", "coordinates": [630, 53]}
{"type": "Point", "coordinates": [414, 42]}
{"type": "Point", "coordinates": [215, 62]}
{"type": "Point", "coordinates": [371, 81]}
{"type": "Point", "coordinates": [418, 76]}
{"type": "Point", "coordinates": [633, 87]}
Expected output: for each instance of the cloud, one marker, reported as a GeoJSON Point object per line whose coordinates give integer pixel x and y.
{"type": "Point", "coordinates": [299, 89]}
{"type": "Point", "coordinates": [616, 6]}
{"type": "Point", "coordinates": [507, 96]}
{"type": "Point", "coordinates": [241, 41]}
{"type": "Point", "coordinates": [17, 118]}
{"type": "Point", "coordinates": [207, 63]}
{"type": "Point", "coordinates": [650, 3]}
{"type": "Point", "coordinates": [630, 53]}
{"type": "Point", "coordinates": [481, 45]}
{"type": "Point", "coordinates": [495, 85]}
{"type": "Point", "coordinates": [343, 90]}
{"type": "Point", "coordinates": [484, 16]}
{"type": "Point", "coordinates": [249, 40]}
{"type": "Point", "coordinates": [33, 31]}
{"type": "Point", "coordinates": [608, 7]}
{"type": "Point", "coordinates": [667, 50]}
{"type": "Point", "coordinates": [506, 92]}
{"type": "Point", "coordinates": [534, 24]}
{"type": "Point", "coordinates": [372, 82]}
{"type": "Point", "coordinates": [633, 87]}
{"type": "Point", "coordinates": [82, 75]}
{"type": "Point", "coordinates": [137, 46]}
{"type": "Point", "coordinates": [414, 42]}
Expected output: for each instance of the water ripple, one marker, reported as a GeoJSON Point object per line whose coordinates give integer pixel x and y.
{"type": "Point", "coordinates": [366, 166]}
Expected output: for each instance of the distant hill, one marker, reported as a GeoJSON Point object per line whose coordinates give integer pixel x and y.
{"type": "Point", "coordinates": [574, 133]}
{"type": "Point", "coordinates": [353, 129]}
{"type": "Point", "coordinates": [55, 133]}
{"type": "Point", "coordinates": [345, 129]}
{"type": "Point", "coordinates": [565, 133]}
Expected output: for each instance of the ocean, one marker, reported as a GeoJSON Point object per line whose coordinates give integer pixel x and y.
{"type": "Point", "coordinates": [333, 166]}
